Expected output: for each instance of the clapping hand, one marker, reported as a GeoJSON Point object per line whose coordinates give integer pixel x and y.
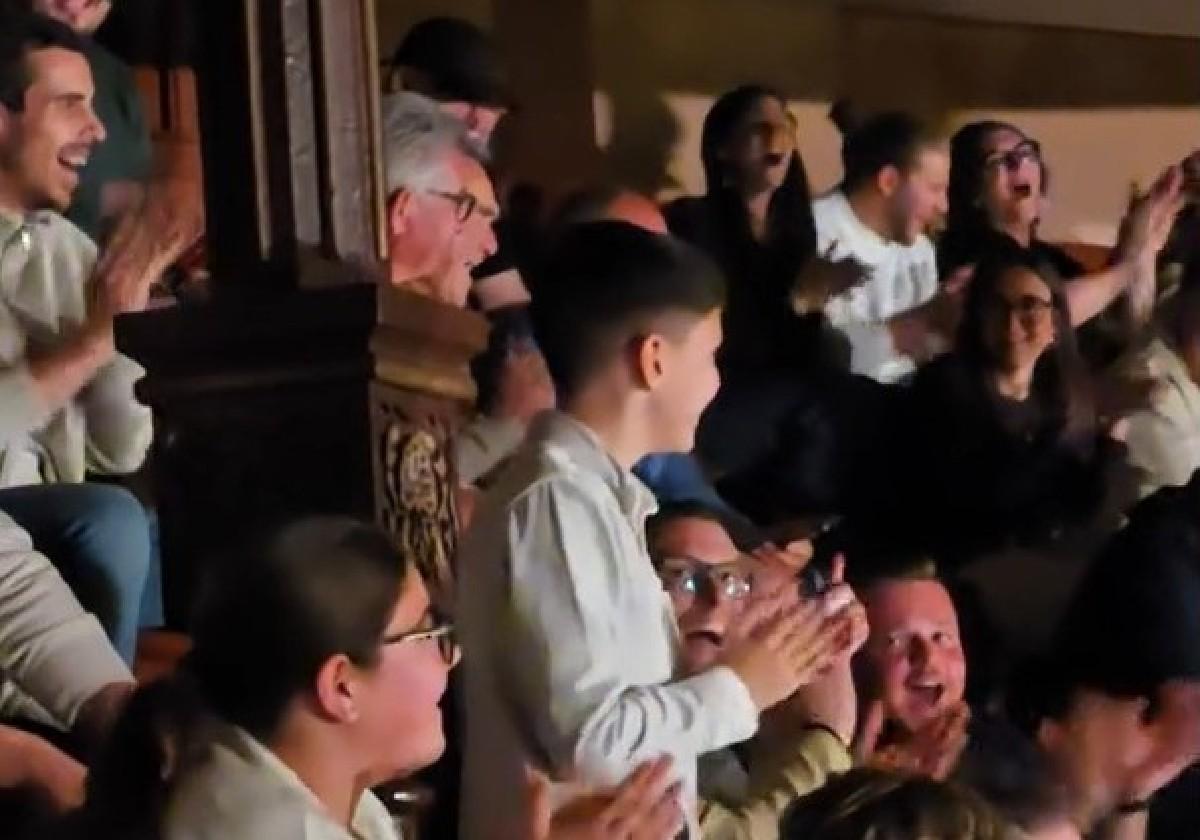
{"type": "Point", "coordinates": [646, 806]}
{"type": "Point", "coordinates": [825, 278]}
{"type": "Point", "coordinates": [932, 751]}
{"type": "Point", "coordinates": [146, 242]}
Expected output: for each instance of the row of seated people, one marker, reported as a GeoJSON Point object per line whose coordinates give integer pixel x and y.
{"type": "Point", "coordinates": [984, 400]}
{"type": "Point", "coordinates": [574, 675]}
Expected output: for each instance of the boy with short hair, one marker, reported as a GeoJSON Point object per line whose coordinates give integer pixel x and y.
{"type": "Point", "coordinates": [570, 646]}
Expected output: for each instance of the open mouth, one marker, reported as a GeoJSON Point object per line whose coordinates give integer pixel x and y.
{"type": "Point", "coordinates": [73, 160]}
{"type": "Point", "coordinates": [774, 158]}
{"type": "Point", "coordinates": [929, 694]}
{"type": "Point", "coordinates": [1022, 191]}
{"type": "Point", "coordinates": [708, 636]}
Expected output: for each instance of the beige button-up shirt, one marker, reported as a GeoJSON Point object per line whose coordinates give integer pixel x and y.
{"type": "Point", "coordinates": [569, 641]}
{"type": "Point", "coordinates": [244, 792]}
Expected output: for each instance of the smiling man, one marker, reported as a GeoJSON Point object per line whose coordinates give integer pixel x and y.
{"type": "Point", "coordinates": [913, 671]}
{"type": "Point", "coordinates": [710, 584]}
{"type": "Point", "coordinates": [67, 404]}
{"type": "Point", "coordinates": [120, 165]}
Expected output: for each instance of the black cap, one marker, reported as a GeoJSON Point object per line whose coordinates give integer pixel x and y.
{"type": "Point", "coordinates": [459, 60]}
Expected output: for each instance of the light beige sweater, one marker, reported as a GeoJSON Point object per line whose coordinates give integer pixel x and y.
{"type": "Point", "coordinates": [46, 268]}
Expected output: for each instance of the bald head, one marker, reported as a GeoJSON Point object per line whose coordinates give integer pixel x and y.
{"type": "Point", "coordinates": [635, 208]}
{"type": "Point", "coordinates": [612, 204]}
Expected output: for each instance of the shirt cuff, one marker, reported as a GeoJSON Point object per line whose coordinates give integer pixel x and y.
{"type": "Point", "coordinates": [20, 404]}
{"type": "Point", "coordinates": [728, 704]}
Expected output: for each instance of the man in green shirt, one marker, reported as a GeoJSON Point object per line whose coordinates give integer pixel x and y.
{"type": "Point", "coordinates": [112, 181]}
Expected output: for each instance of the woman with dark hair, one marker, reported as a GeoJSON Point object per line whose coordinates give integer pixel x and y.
{"type": "Point", "coordinates": [315, 674]}
{"type": "Point", "coordinates": [1007, 446]}
{"type": "Point", "coordinates": [755, 219]}
{"type": "Point", "coordinates": [998, 184]}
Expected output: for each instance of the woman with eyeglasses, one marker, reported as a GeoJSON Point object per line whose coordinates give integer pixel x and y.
{"type": "Point", "coordinates": [1008, 457]}
{"type": "Point", "coordinates": [315, 674]}
{"type": "Point", "coordinates": [998, 187]}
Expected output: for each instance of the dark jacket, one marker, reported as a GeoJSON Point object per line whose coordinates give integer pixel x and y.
{"type": "Point", "coordinates": [978, 474]}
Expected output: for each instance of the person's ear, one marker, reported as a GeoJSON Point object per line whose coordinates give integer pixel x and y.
{"type": "Point", "coordinates": [1050, 735]}
{"type": "Point", "coordinates": [399, 207]}
{"type": "Point", "coordinates": [337, 689]}
{"type": "Point", "coordinates": [649, 361]}
{"type": "Point", "coordinates": [889, 180]}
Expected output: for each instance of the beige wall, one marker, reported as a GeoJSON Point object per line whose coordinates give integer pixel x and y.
{"type": "Point", "coordinates": [1110, 106]}
{"type": "Point", "coordinates": [1152, 17]}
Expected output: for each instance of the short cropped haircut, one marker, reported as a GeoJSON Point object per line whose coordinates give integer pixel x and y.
{"type": "Point", "coordinates": [418, 141]}
{"type": "Point", "coordinates": [893, 138]}
{"type": "Point", "coordinates": [605, 283]}
{"type": "Point", "coordinates": [21, 33]}
{"type": "Point", "coordinates": [670, 512]}
{"type": "Point", "coordinates": [868, 804]}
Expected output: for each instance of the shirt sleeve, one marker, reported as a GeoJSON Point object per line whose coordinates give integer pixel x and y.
{"type": "Point", "coordinates": [568, 592]}
{"type": "Point", "coordinates": [119, 427]}
{"type": "Point", "coordinates": [1161, 448]}
{"type": "Point", "coordinates": [483, 445]}
{"type": "Point", "coordinates": [54, 651]}
{"type": "Point", "coordinates": [779, 775]}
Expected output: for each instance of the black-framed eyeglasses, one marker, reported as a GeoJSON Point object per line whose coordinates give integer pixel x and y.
{"type": "Point", "coordinates": [443, 634]}
{"type": "Point", "coordinates": [1026, 150]}
{"type": "Point", "coordinates": [685, 577]}
{"type": "Point", "coordinates": [466, 205]}
{"type": "Point", "coordinates": [1029, 309]}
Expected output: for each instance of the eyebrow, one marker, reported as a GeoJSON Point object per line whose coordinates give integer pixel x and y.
{"type": "Point", "coordinates": [677, 558]}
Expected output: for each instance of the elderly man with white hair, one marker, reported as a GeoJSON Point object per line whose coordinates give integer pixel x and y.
{"type": "Point", "coordinates": [440, 205]}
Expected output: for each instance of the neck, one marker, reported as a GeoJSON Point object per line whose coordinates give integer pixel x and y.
{"type": "Point", "coordinates": [1085, 814]}
{"type": "Point", "coordinates": [758, 205]}
{"type": "Point", "coordinates": [1014, 384]}
{"type": "Point", "coordinates": [1022, 234]}
{"type": "Point", "coordinates": [10, 202]}
{"type": "Point", "coordinates": [337, 785]}
{"type": "Point", "coordinates": [621, 432]}
{"type": "Point", "coordinates": [869, 207]}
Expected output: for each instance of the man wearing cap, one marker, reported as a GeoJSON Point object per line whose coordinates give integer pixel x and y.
{"type": "Point", "coordinates": [456, 64]}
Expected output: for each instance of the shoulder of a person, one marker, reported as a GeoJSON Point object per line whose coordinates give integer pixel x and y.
{"type": "Point", "coordinates": [945, 389]}
{"type": "Point", "coordinates": [565, 488]}
{"type": "Point", "coordinates": [1067, 266]}
{"type": "Point", "coordinates": [829, 209]}
{"type": "Point", "coordinates": [62, 234]}
{"type": "Point", "coordinates": [688, 217]}
{"type": "Point", "coordinates": [231, 799]}
{"type": "Point", "coordinates": [922, 250]}
{"type": "Point", "coordinates": [372, 820]}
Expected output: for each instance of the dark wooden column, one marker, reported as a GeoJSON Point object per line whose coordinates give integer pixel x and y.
{"type": "Point", "coordinates": [263, 395]}
{"type": "Point", "coordinates": [421, 390]}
